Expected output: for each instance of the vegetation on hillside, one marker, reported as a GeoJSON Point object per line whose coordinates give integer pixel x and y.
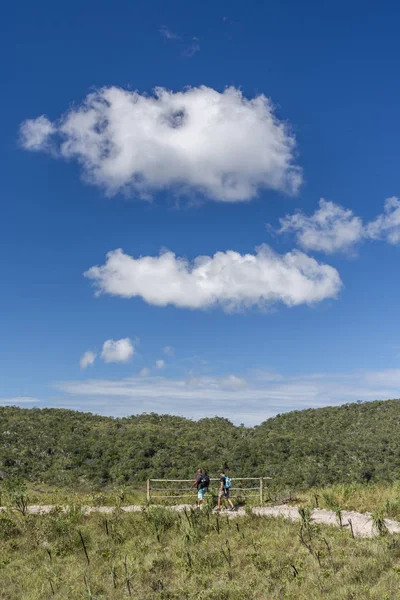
{"type": "Point", "coordinates": [347, 444]}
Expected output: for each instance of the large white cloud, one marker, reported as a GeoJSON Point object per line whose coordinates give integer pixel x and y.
{"type": "Point", "coordinates": [115, 351]}
{"type": "Point", "coordinates": [222, 145]}
{"type": "Point", "coordinates": [229, 279]}
{"type": "Point", "coordinates": [330, 229]}
{"type": "Point", "coordinates": [387, 225]}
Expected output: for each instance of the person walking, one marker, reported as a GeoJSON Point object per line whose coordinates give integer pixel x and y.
{"type": "Point", "coordinates": [201, 481]}
{"type": "Point", "coordinates": [224, 490]}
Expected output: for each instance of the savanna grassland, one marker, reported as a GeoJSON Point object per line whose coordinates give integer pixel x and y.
{"type": "Point", "coordinates": [161, 554]}
{"type": "Point", "coordinates": [342, 458]}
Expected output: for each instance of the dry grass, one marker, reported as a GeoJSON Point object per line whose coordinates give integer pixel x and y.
{"type": "Point", "coordinates": [359, 497]}
{"type": "Point", "coordinates": [83, 495]}
{"type": "Point", "coordinates": [159, 554]}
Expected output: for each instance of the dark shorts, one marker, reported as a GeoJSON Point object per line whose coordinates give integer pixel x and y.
{"type": "Point", "coordinates": [224, 493]}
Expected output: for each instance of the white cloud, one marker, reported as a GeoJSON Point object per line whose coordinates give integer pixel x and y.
{"type": "Point", "coordinates": [36, 133]}
{"type": "Point", "coordinates": [387, 225]}
{"type": "Point", "coordinates": [221, 145]}
{"type": "Point", "coordinates": [160, 364]}
{"type": "Point", "coordinates": [232, 381]}
{"type": "Point", "coordinates": [144, 372]}
{"type": "Point", "coordinates": [192, 49]}
{"type": "Point", "coordinates": [333, 228]}
{"type": "Point", "coordinates": [250, 402]}
{"type": "Point", "coordinates": [229, 279]}
{"type": "Point", "coordinates": [386, 377]}
{"type": "Point", "coordinates": [265, 374]}
{"type": "Point", "coordinates": [115, 351]}
{"type": "Point", "coordinates": [168, 34]}
{"type": "Point", "coordinates": [168, 351]}
{"type": "Point", "coordinates": [87, 359]}
{"type": "Point", "coordinates": [19, 400]}
{"type": "Point", "coordinates": [330, 229]}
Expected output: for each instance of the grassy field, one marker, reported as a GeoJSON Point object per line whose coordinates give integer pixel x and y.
{"type": "Point", "coordinates": [360, 497]}
{"type": "Point", "coordinates": [82, 495]}
{"type": "Point", "coordinates": [159, 554]}
{"type": "Point", "coordinates": [42, 494]}
{"type": "Point", "coordinates": [378, 499]}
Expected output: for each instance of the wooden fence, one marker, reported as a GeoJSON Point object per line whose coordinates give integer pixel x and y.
{"type": "Point", "coordinates": [250, 487]}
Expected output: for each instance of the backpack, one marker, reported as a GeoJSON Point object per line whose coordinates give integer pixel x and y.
{"type": "Point", "coordinates": [228, 482]}
{"type": "Point", "coordinates": [204, 481]}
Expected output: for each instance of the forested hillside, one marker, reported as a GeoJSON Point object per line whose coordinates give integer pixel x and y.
{"type": "Point", "coordinates": [354, 442]}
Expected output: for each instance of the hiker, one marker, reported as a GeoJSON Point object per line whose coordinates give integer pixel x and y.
{"type": "Point", "coordinates": [202, 481]}
{"type": "Point", "coordinates": [224, 490]}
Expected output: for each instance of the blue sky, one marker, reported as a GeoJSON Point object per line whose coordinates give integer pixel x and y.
{"type": "Point", "coordinates": [265, 111]}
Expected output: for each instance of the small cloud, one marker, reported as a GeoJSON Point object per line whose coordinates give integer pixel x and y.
{"type": "Point", "coordinates": [19, 400]}
{"type": "Point", "coordinates": [192, 49]}
{"type": "Point", "coordinates": [387, 225]}
{"type": "Point", "coordinates": [35, 133]}
{"type": "Point", "coordinates": [331, 228]}
{"type": "Point", "coordinates": [168, 351]}
{"type": "Point", "coordinates": [160, 364]}
{"type": "Point", "coordinates": [117, 351]}
{"type": "Point", "coordinates": [168, 34]}
{"type": "Point", "coordinates": [144, 372]}
{"type": "Point", "coordinates": [87, 359]}
{"type": "Point", "coordinates": [265, 375]}
{"type": "Point", "coordinates": [234, 382]}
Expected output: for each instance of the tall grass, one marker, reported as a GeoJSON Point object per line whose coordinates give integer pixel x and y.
{"type": "Point", "coordinates": [160, 554]}
{"type": "Point", "coordinates": [84, 495]}
{"type": "Point", "coordinates": [358, 497]}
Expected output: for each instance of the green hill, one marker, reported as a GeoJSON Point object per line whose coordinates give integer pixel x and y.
{"type": "Point", "coordinates": [354, 442]}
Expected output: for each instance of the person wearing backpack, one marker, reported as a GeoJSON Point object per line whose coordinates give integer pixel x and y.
{"type": "Point", "coordinates": [202, 481]}
{"type": "Point", "coordinates": [224, 490]}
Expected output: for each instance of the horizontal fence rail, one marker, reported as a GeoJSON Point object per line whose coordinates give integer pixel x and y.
{"type": "Point", "coordinates": [245, 486]}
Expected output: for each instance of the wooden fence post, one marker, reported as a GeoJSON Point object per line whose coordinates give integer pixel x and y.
{"type": "Point", "coordinates": [262, 490]}
{"type": "Point", "coordinates": [148, 492]}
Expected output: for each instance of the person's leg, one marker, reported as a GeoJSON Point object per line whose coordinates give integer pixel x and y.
{"type": "Point", "coordinates": [203, 493]}
{"type": "Point", "coordinates": [219, 500]}
{"type": "Point", "coordinates": [227, 496]}
{"type": "Point", "coordinates": [222, 496]}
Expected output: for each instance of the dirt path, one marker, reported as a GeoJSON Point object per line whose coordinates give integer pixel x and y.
{"type": "Point", "coordinates": [361, 523]}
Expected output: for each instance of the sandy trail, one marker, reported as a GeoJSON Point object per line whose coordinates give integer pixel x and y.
{"type": "Point", "coordinates": [361, 523]}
